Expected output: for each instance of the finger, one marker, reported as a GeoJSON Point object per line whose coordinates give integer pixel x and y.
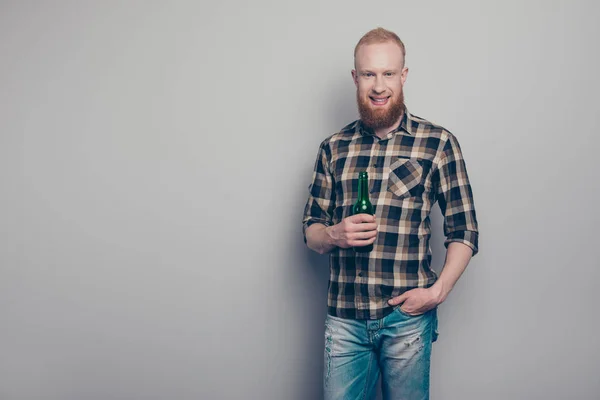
{"type": "Point", "coordinates": [398, 300]}
{"type": "Point", "coordinates": [361, 243]}
{"type": "Point", "coordinates": [360, 218]}
{"type": "Point", "coordinates": [363, 235]}
{"type": "Point", "coordinates": [364, 227]}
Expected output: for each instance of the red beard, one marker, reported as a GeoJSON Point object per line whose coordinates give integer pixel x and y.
{"type": "Point", "coordinates": [379, 118]}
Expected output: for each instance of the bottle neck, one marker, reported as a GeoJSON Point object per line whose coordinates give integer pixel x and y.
{"type": "Point", "coordinates": [363, 189]}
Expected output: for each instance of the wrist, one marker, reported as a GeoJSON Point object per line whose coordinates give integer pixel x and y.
{"type": "Point", "coordinates": [330, 235]}
{"type": "Point", "coordinates": [439, 291]}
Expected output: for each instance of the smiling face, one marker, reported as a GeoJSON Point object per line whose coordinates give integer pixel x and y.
{"type": "Point", "coordinates": [379, 77]}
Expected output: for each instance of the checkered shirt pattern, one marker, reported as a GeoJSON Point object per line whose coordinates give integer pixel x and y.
{"type": "Point", "coordinates": [410, 169]}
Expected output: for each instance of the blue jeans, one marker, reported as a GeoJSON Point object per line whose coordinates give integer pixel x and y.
{"type": "Point", "coordinates": [397, 347]}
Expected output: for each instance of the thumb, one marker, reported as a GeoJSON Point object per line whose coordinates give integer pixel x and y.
{"type": "Point", "coordinates": [397, 300]}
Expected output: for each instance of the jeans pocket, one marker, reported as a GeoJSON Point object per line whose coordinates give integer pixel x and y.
{"type": "Point", "coordinates": [404, 313]}
{"type": "Point", "coordinates": [432, 311]}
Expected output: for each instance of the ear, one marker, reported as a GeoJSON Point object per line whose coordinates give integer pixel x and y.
{"type": "Point", "coordinates": [355, 77]}
{"type": "Point", "coordinates": [404, 74]}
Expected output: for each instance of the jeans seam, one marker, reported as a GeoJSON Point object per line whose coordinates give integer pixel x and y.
{"type": "Point", "coordinates": [364, 396]}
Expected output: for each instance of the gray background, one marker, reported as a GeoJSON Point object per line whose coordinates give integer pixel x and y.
{"type": "Point", "coordinates": [155, 160]}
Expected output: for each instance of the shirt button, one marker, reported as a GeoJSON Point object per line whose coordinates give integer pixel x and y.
{"type": "Point", "coordinates": [360, 274]}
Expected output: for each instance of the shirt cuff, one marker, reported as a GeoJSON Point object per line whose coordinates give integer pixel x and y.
{"type": "Point", "coordinates": [469, 238]}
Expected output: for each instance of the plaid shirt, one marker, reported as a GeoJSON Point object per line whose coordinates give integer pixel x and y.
{"type": "Point", "coordinates": [410, 169]}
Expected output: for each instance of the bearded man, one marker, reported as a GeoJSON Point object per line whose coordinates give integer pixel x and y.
{"type": "Point", "coordinates": [382, 305]}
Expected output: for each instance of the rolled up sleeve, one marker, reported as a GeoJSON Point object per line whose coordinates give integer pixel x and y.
{"type": "Point", "coordinates": [455, 197]}
{"type": "Point", "coordinates": [321, 199]}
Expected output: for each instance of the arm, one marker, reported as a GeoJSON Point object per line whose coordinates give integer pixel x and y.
{"type": "Point", "coordinates": [457, 259]}
{"type": "Point", "coordinates": [417, 301]}
{"type": "Point", "coordinates": [318, 240]}
{"type": "Point", "coordinates": [320, 232]}
{"type": "Point", "coordinates": [455, 199]}
{"type": "Point", "coordinates": [318, 211]}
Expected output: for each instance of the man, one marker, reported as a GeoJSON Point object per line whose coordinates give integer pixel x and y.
{"type": "Point", "coordinates": [382, 305]}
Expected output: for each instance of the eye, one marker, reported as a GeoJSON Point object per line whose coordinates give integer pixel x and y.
{"type": "Point", "coordinates": [367, 74]}
{"type": "Point", "coordinates": [388, 74]}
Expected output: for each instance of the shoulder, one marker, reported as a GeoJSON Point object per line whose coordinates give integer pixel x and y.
{"type": "Point", "coordinates": [439, 141]}
{"type": "Point", "coordinates": [346, 134]}
{"type": "Point", "coordinates": [424, 127]}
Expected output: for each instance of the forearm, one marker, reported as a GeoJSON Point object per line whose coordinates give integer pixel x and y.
{"type": "Point", "coordinates": [457, 259]}
{"type": "Point", "coordinates": [317, 239]}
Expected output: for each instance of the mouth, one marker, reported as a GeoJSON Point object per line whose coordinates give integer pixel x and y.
{"type": "Point", "coordinates": [379, 101]}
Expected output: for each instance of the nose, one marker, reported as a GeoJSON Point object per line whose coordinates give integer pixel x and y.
{"type": "Point", "coordinates": [379, 86]}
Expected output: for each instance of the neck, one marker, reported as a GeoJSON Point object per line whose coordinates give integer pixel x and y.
{"type": "Point", "coordinates": [382, 132]}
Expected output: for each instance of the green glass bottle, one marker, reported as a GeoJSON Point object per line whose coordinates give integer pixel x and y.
{"type": "Point", "coordinates": [363, 205]}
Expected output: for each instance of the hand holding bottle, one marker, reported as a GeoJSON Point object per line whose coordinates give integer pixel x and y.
{"type": "Point", "coordinates": [358, 230]}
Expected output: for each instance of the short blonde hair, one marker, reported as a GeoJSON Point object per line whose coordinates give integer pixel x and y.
{"type": "Point", "coordinates": [380, 35]}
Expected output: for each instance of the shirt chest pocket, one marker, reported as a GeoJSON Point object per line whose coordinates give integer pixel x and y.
{"type": "Point", "coordinates": [405, 178]}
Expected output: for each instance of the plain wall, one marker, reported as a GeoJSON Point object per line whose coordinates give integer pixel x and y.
{"type": "Point", "coordinates": [155, 159]}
